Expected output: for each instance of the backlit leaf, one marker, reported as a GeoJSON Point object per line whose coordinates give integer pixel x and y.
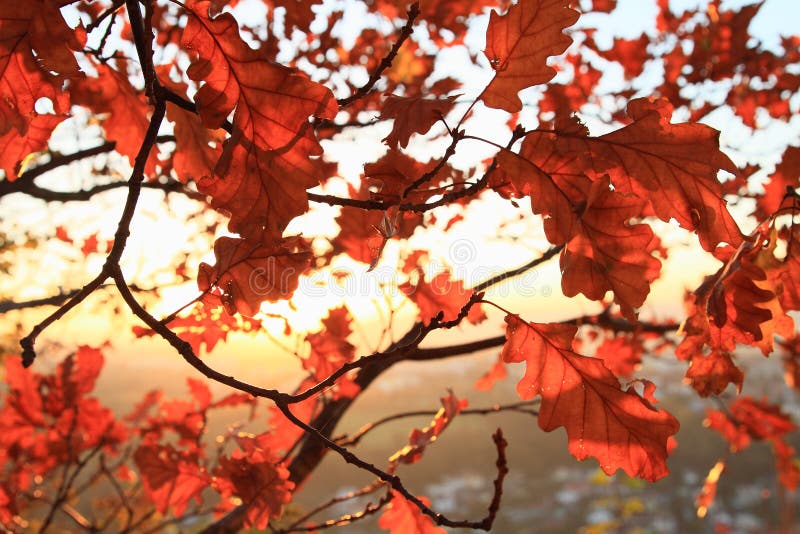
{"type": "Point", "coordinates": [518, 45]}
{"type": "Point", "coordinates": [618, 428]}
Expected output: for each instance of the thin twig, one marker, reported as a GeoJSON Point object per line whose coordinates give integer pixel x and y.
{"type": "Point", "coordinates": [55, 300]}
{"type": "Point", "coordinates": [451, 149]}
{"type": "Point", "coordinates": [519, 407]}
{"type": "Point", "coordinates": [366, 490]}
{"type": "Point", "coordinates": [405, 32]}
{"type": "Point", "coordinates": [392, 480]}
{"type": "Point", "coordinates": [123, 227]}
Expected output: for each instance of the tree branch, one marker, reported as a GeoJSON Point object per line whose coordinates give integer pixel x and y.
{"type": "Point", "coordinates": [54, 300]}
{"type": "Point", "coordinates": [25, 183]}
{"type": "Point", "coordinates": [405, 32]}
{"type": "Point", "coordinates": [497, 408]}
{"type": "Point", "coordinates": [120, 237]}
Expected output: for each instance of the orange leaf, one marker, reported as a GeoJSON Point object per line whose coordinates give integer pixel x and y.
{"type": "Point", "coordinates": [329, 347]}
{"type": "Point", "coordinates": [413, 115]}
{"type": "Point", "coordinates": [711, 374]}
{"type": "Point", "coordinates": [127, 121]}
{"type": "Point", "coordinates": [14, 148]}
{"type": "Point", "coordinates": [786, 175]}
{"type": "Point", "coordinates": [630, 53]}
{"type": "Point", "coordinates": [498, 372]}
{"type": "Point", "coordinates": [403, 517]}
{"type": "Point", "coordinates": [170, 477]}
{"type": "Point", "coordinates": [748, 419]}
{"type": "Point", "coordinates": [203, 327]}
{"type": "Point", "coordinates": [439, 294]}
{"type": "Point", "coordinates": [266, 164]}
{"type": "Point", "coordinates": [604, 251]}
{"type": "Point", "coordinates": [674, 166]}
{"type": "Point", "coordinates": [518, 45]}
{"type": "Point", "coordinates": [359, 236]}
{"type": "Point", "coordinates": [197, 149]}
{"type": "Point", "coordinates": [254, 476]}
{"type": "Point", "coordinates": [608, 253]}
{"type": "Point", "coordinates": [618, 428]}
{"type": "Point", "coordinates": [283, 434]}
{"type": "Point", "coordinates": [419, 439]}
{"type": "Point", "coordinates": [621, 354]}
{"type": "Point", "coordinates": [28, 27]}
{"type": "Point", "coordinates": [247, 274]}
{"type": "Point", "coordinates": [787, 464]}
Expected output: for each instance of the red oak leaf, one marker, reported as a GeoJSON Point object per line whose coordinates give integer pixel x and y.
{"type": "Point", "coordinates": [605, 6]}
{"type": "Point", "coordinates": [726, 43]}
{"type": "Point", "coordinates": [787, 464]}
{"type": "Point", "coordinates": [74, 378]}
{"type": "Point", "coordinates": [419, 439]}
{"type": "Point", "coordinates": [392, 173]}
{"type": "Point", "coordinates": [283, 434]}
{"type": "Point", "coordinates": [62, 234]}
{"type": "Point", "coordinates": [618, 428]}
{"type": "Point", "coordinates": [711, 374]}
{"type": "Point", "coordinates": [267, 163]}
{"type": "Point", "coordinates": [439, 294]}
{"type": "Point", "coordinates": [329, 347]}
{"type": "Point", "coordinates": [171, 478]}
{"type": "Point", "coordinates": [413, 115]}
{"type": "Point", "coordinates": [127, 121]}
{"type": "Point", "coordinates": [256, 479]}
{"type": "Point", "coordinates": [144, 406]}
{"type": "Point", "coordinates": [247, 274]}
{"type": "Point", "coordinates": [86, 424]}
{"type": "Point", "coordinates": [35, 43]}
{"type": "Point", "coordinates": [630, 53]}
{"type": "Point", "coordinates": [15, 148]}
{"type": "Point", "coordinates": [741, 303]}
{"type": "Point", "coordinates": [622, 354]}
{"type": "Point", "coordinates": [604, 251]}
{"type": "Point", "coordinates": [563, 99]}
{"type": "Point", "coordinates": [747, 419]}
{"type": "Point", "coordinates": [197, 149]}
{"type": "Point", "coordinates": [783, 275]}
{"type": "Point", "coordinates": [403, 517]}
{"type": "Point", "coordinates": [298, 13]}
{"type": "Point", "coordinates": [674, 166]}
{"type": "Point", "coordinates": [556, 183]}
{"type": "Point", "coordinates": [204, 327]}
{"type": "Point", "coordinates": [23, 402]}
{"type": "Point", "coordinates": [179, 416]}
{"type": "Point", "coordinates": [786, 175]}
{"type": "Point", "coordinates": [90, 245]}
{"type": "Point", "coordinates": [498, 372]}
{"type": "Point", "coordinates": [237, 399]}
{"type": "Point", "coordinates": [359, 235]}
{"type": "Point", "coordinates": [200, 392]}
{"type": "Point", "coordinates": [53, 41]}
{"type": "Point", "coordinates": [608, 253]}
{"type": "Point", "coordinates": [518, 45]}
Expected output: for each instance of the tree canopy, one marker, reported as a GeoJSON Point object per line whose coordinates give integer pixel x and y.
{"type": "Point", "coordinates": [331, 148]}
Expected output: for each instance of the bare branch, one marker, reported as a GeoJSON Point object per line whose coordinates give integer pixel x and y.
{"type": "Point", "coordinates": [405, 32]}
{"type": "Point", "coordinates": [518, 407]}
{"type": "Point", "coordinates": [120, 237]}
{"type": "Point", "coordinates": [56, 300]}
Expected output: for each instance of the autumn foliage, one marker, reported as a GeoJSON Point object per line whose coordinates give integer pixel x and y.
{"type": "Point", "coordinates": [245, 115]}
